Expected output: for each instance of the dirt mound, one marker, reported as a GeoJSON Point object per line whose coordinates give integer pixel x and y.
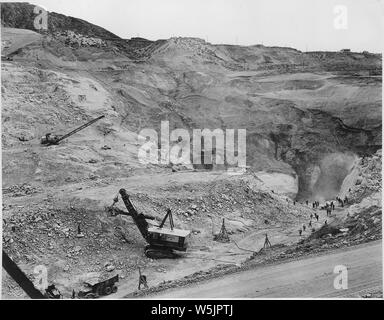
{"type": "Point", "coordinates": [50, 225]}
{"type": "Point", "coordinates": [362, 227]}
{"type": "Point", "coordinates": [21, 15]}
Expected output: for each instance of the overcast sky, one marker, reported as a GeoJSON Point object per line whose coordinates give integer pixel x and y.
{"type": "Point", "coordinates": [302, 24]}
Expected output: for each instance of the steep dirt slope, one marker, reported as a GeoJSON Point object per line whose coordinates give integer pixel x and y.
{"type": "Point", "coordinates": [21, 15]}
{"type": "Point", "coordinates": [14, 39]}
{"type": "Point", "coordinates": [293, 120]}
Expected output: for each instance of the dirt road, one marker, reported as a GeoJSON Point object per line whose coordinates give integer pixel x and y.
{"type": "Point", "coordinates": [312, 278]}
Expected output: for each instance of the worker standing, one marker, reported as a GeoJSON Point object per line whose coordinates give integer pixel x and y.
{"type": "Point", "coordinates": [79, 232]}
{"type": "Point", "coordinates": [142, 280]}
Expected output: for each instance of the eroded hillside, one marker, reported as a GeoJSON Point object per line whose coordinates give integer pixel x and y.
{"type": "Point", "coordinates": [309, 118]}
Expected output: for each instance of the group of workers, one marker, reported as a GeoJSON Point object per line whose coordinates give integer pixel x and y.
{"type": "Point", "coordinates": [328, 207]}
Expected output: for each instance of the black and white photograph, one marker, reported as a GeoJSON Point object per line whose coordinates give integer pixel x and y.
{"type": "Point", "coordinates": [173, 150]}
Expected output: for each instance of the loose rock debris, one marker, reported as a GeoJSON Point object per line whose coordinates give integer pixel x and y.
{"type": "Point", "coordinates": [48, 193]}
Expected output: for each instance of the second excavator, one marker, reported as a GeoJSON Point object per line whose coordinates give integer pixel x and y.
{"type": "Point", "coordinates": [162, 242]}
{"type": "Point", "coordinates": [50, 139]}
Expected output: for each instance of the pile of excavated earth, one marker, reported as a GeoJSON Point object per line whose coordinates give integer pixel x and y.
{"type": "Point", "coordinates": [313, 122]}
{"type": "Point", "coordinates": [358, 222]}
{"type": "Point", "coordinates": [41, 229]}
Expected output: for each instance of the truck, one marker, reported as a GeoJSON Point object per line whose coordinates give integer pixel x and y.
{"type": "Point", "coordinates": [93, 289]}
